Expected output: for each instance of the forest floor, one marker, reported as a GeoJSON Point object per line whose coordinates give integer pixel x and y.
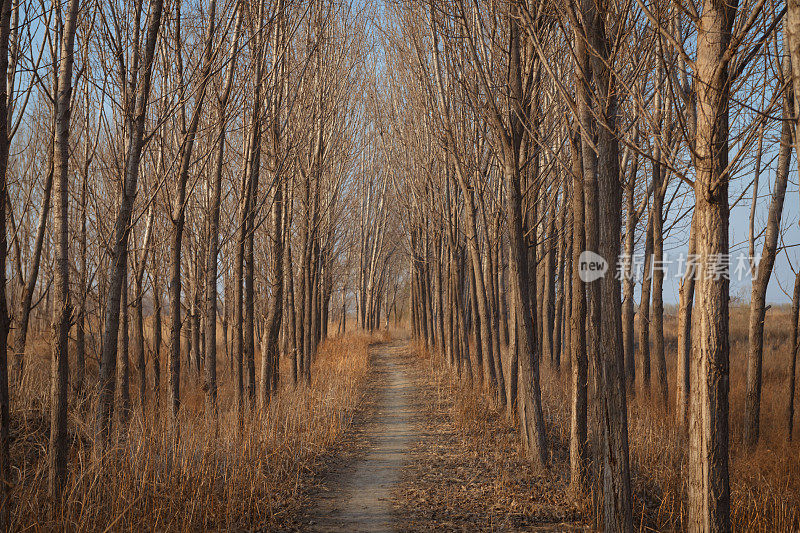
{"type": "Point", "coordinates": [419, 457]}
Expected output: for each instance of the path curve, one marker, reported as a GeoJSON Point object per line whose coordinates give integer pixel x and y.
{"type": "Point", "coordinates": [360, 497]}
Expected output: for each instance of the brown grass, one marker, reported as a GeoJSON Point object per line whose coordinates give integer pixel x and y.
{"type": "Point", "coordinates": [765, 483]}
{"type": "Point", "coordinates": [221, 477]}
{"type": "Point", "coordinates": [469, 472]}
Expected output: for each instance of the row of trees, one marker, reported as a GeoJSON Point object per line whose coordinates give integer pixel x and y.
{"type": "Point", "coordinates": [173, 171]}
{"type": "Point", "coordinates": [531, 132]}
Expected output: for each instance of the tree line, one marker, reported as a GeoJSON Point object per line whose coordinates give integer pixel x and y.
{"type": "Point", "coordinates": [531, 133]}
{"type": "Point", "coordinates": [174, 172]}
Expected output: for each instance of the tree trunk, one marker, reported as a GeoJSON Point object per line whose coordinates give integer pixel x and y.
{"type": "Point", "coordinates": [793, 358]}
{"type": "Point", "coordinates": [530, 406]}
{"type": "Point", "coordinates": [174, 363]}
{"type": "Point", "coordinates": [578, 405]}
{"type": "Point", "coordinates": [138, 341]}
{"type": "Point", "coordinates": [587, 127]}
{"type": "Point", "coordinates": [658, 284]}
{"type": "Point", "coordinates": [752, 406]}
{"type": "Point", "coordinates": [156, 336]}
{"type": "Point", "coordinates": [59, 369]}
{"type": "Point", "coordinates": [502, 295]}
{"type": "Point", "coordinates": [464, 363]}
{"type": "Point", "coordinates": [291, 326]}
{"type": "Point", "coordinates": [80, 325]}
{"type": "Point", "coordinates": [628, 333]}
{"type": "Point", "coordinates": [617, 512]}
{"type": "Point", "coordinates": [683, 364]}
{"type": "Point", "coordinates": [194, 318]}
{"type": "Point", "coordinates": [213, 231]}
{"type": "Point", "coordinates": [531, 402]}
{"type": "Point", "coordinates": [179, 215]}
{"type": "Point", "coordinates": [5, 141]}
{"type": "Point", "coordinates": [708, 484]}
{"type": "Point", "coordinates": [549, 295]}
{"type": "Point", "coordinates": [513, 358]}
{"type": "Point", "coordinates": [269, 360]}
{"type": "Point", "coordinates": [559, 277]}
{"type": "Point", "coordinates": [249, 283]}
{"type": "Point", "coordinates": [644, 306]}
{"type": "Point", "coordinates": [123, 355]}
{"type": "Point", "coordinates": [134, 143]}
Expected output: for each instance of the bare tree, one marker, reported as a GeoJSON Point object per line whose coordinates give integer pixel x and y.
{"type": "Point", "coordinates": [62, 315]}
{"type": "Point", "coordinates": [5, 418]}
{"type": "Point", "coordinates": [135, 107]}
{"type": "Point", "coordinates": [764, 272]}
{"type": "Point", "coordinates": [709, 486]}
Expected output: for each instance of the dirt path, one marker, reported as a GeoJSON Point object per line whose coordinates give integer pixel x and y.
{"type": "Point", "coordinates": [359, 496]}
{"type": "Point", "coordinates": [427, 455]}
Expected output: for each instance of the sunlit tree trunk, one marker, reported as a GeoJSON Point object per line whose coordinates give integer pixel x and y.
{"type": "Point", "coordinates": [5, 418]}
{"type": "Point", "coordinates": [644, 306]}
{"type": "Point", "coordinates": [59, 369]}
{"type": "Point", "coordinates": [578, 403]}
{"type": "Point", "coordinates": [135, 122]}
{"type": "Point", "coordinates": [758, 296]}
{"type": "Point", "coordinates": [708, 484]}
{"type": "Point", "coordinates": [684, 355]}
{"type": "Point", "coordinates": [213, 230]}
{"type": "Point", "coordinates": [795, 316]}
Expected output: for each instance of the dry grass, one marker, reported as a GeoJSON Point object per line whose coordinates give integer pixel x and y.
{"type": "Point", "coordinates": [468, 471]}
{"type": "Point", "coordinates": [223, 476]}
{"type": "Point", "coordinates": [765, 483]}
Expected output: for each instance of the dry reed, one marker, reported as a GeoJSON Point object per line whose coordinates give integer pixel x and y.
{"type": "Point", "coordinates": [191, 474]}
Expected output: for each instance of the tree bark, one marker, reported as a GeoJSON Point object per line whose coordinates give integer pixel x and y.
{"type": "Point", "coordinates": [752, 406]}
{"type": "Point", "coordinates": [644, 306]}
{"type": "Point", "coordinates": [559, 278]}
{"type": "Point", "coordinates": [156, 338]}
{"type": "Point", "coordinates": [628, 332]}
{"type": "Point", "coordinates": [658, 283]}
{"type": "Point", "coordinates": [709, 485]}
{"type": "Point", "coordinates": [684, 357]}
{"type": "Point", "coordinates": [578, 457]}
{"type": "Point", "coordinates": [213, 230]}
{"type": "Point", "coordinates": [179, 212]}
{"type": "Point", "coordinates": [617, 513]}
{"type": "Point", "coordinates": [59, 369]}
{"type": "Point", "coordinates": [123, 355]}
{"type": "Point", "coordinates": [531, 401]}
{"type": "Point", "coordinates": [793, 358]}
{"type": "Point", "coordinates": [269, 360]}
{"type": "Point", "coordinates": [5, 141]}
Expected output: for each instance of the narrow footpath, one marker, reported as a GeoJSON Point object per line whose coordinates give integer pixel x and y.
{"type": "Point", "coordinates": [359, 495]}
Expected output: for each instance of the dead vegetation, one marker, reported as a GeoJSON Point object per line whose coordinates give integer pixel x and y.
{"type": "Point", "coordinates": [246, 474]}
{"type": "Point", "coordinates": [469, 471]}
{"type": "Point", "coordinates": [470, 467]}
